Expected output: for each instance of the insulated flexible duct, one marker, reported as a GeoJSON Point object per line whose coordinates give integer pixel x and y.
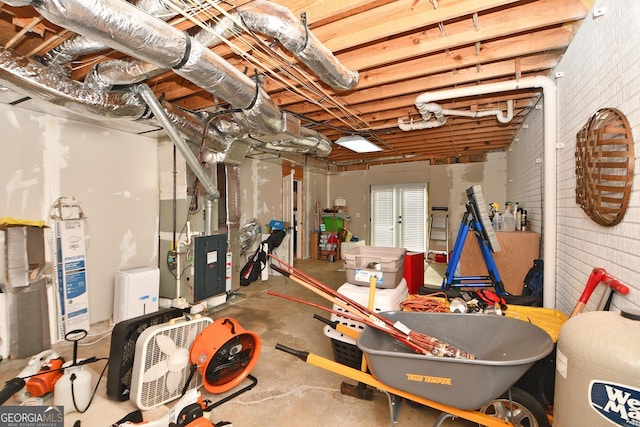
{"type": "Point", "coordinates": [128, 29]}
{"type": "Point", "coordinates": [262, 17]}
{"type": "Point", "coordinates": [61, 56]}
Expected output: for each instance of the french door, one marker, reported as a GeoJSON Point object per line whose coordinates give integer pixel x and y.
{"type": "Point", "coordinates": [398, 216]}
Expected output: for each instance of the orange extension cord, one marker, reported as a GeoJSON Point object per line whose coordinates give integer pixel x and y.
{"type": "Point", "coordinates": [433, 303]}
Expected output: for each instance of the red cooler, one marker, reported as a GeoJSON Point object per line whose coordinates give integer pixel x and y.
{"type": "Point", "coordinates": [414, 271]}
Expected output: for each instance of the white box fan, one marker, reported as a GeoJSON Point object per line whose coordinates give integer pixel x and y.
{"type": "Point", "coordinates": [161, 365]}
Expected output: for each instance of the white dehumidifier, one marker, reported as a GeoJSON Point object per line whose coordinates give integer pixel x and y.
{"type": "Point", "coordinates": [136, 292]}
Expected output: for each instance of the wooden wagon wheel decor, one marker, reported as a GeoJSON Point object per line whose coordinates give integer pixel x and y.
{"type": "Point", "coordinates": [604, 166]}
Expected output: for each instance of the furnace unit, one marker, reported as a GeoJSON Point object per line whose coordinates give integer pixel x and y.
{"type": "Point", "coordinates": [209, 266]}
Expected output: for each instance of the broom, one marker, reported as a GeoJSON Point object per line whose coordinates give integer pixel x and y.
{"type": "Point", "coordinates": [418, 341]}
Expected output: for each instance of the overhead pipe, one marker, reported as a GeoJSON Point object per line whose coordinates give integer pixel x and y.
{"type": "Point", "coordinates": [194, 164]}
{"type": "Point", "coordinates": [62, 55]}
{"type": "Point", "coordinates": [429, 109]}
{"type": "Point", "coordinates": [550, 161]}
{"type": "Point", "coordinates": [129, 30]}
{"type": "Point", "coordinates": [262, 17]}
{"type": "Point", "coordinates": [31, 78]}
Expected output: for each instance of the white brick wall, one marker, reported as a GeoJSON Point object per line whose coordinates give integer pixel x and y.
{"type": "Point", "coordinates": [601, 69]}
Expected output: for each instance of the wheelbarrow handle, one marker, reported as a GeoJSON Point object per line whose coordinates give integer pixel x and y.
{"type": "Point", "coordinates": [332, 323]}
{"type": "Point", "coordinates": [302, 355]}
{"type": "Point", "coordinates": [339, 327]}
{"type": "Point", "coordinates": [280, 270]}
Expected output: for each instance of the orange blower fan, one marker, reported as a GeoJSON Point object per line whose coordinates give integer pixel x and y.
{"type": "Point", "coordinates": [224, 354]}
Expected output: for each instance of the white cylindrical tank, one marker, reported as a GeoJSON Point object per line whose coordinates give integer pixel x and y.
{"type": "Point", "coordinates": [598, 371]}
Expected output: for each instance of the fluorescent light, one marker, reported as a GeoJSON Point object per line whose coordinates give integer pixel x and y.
{"type": "Point", "coordinates": [358, 144]}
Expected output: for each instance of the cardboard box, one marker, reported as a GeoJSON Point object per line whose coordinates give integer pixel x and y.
{"type": "Point", "coordinates": [71, 276]}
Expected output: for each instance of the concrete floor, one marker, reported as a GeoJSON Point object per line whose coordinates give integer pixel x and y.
{"type": "Point", "coordinates": [289, 392]}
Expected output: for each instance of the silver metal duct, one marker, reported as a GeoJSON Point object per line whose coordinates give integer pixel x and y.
{"type": "Point", "coordinates": [191, 160]}
{"type": "Point", "coordinates": [296, 139]}
{"type": "Point", "coordinates": [260, 16]}
{"type": "Point", "coordinates": [61, 56]}
{"type": "Point", "coordinates": [33, 79]}
{"type": "Point", "coordinates": [126, 28]}
{"type": "Point", "coordinates": [129, 30]}
{"type": "Point", "coordinates": [273, 20]}
{"type": "Point", "coordinates": [104, 75]}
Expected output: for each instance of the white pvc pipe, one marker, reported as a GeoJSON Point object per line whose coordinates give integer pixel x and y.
{"type": "Point", "coordinates": [550, 187]}
{"type": "Point", "coordinates": [431, 108]}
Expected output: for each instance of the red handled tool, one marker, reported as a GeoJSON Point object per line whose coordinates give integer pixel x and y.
{"type": "Point", "coordinates": [597, 276]}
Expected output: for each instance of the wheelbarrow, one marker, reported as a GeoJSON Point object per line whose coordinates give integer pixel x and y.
{"type": "Point", "coordinates": [504, 350]}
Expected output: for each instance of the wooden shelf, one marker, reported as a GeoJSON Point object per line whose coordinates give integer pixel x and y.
{"type": "Point", "coordinates": [324, 253]}
{"type": "Point", "coordinates": [518, 250]}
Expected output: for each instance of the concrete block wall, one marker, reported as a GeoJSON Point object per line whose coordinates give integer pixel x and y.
{"type": "Point", "coordinates": [601, 69]}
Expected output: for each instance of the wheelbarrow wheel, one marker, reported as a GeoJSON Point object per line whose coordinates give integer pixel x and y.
{"type": "Point", "coordinates": [523, 410]}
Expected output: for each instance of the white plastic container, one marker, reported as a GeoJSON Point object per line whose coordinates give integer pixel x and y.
{"type": "Point", "coordinates": [509, 221]}
{"type": "Point", "coordinates": [597, 372]}
{"type": "Point", "coordinates": [344, 347]}
{"type": "Point", "coordinates": [78, 389]}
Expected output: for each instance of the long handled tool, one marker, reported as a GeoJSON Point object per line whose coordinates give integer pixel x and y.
{"type": "Point", "coordinates": [417, 341]}
{"type": "Point", "coordinates": [599, 275]}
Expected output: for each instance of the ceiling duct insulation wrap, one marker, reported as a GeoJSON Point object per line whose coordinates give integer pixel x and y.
{"type": "Point", "coordinates": [33, 79]}
{"type": "Point", "coordinates": [158, 45]}
{"type": "Point", "coordinates": [128, 29]}
{"type": "Point", "coordinates": [275, 21]}
{"type": "Point", "coordinates": [295, 139]}
{"type": "Point", "coordinates": [262, 17]}
{"type": "Point", "coordinates": [62, 55]}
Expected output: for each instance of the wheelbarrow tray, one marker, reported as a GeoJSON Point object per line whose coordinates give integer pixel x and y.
{"type": "Point", "coordinates": [505, 348]}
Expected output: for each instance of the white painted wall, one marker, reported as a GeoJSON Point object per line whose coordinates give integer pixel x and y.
{"type": "Point", "coordinates": [260, 192]}
{"type": "Point", "coordinates": [447, 186]}
{"type": "Point", "coordinates": [114, 175]}
{"type": "Point", "coordinates": [601, 69]}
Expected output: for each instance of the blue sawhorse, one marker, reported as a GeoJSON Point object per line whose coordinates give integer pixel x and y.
{"type": "Point", "coordinates": [471, 221]}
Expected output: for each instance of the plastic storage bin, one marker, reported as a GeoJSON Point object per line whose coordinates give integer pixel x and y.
{"type": "Point", "coordinates": [386, 264]}
{"type": "Point", "coordinates": [344, 347]}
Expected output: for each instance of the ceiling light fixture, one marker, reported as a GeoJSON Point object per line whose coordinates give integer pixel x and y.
{"type": "Point", "coordinates": [358, 144]}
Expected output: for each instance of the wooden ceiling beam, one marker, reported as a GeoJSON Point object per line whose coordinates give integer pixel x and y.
{"type": "Point", "coordinates": [547, 40]}
{"type": "Point", "coordinates": [528, 17]}
{"type": "Point", "coordinates": [434, 82]}
{"type": "Point", "coordinates": [396, 18]}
